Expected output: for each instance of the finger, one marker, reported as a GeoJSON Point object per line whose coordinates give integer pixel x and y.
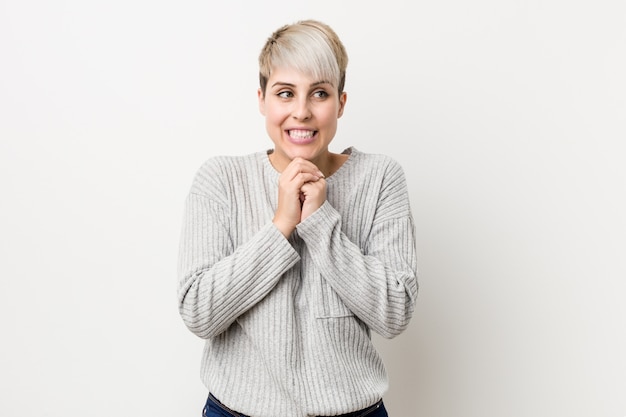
{"type": "Point", "coordinates": [303, 178]}
{"type": "Point", "coordinates": [313, 187]}
{"type": "Point", "coordinates": [300, 165]}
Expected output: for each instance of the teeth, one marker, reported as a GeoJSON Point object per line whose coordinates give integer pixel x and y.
{"type": "Point", "coordinates": [301, 134]}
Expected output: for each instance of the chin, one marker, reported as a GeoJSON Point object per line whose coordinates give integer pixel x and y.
{"type": "Point", "coordinates": [311, 151]}
{"type": "Point", "coordinates": [309, 156]}
{"type": "Point", "coordinates": [291, 153]}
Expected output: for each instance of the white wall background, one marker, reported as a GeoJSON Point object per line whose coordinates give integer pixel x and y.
{"type": "Point", "coordinates": [508, 116]}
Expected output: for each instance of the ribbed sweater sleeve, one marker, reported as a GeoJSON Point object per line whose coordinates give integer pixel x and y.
{"type": "Point", "coordinates": [217, 282]}
{"type": "Point", "coordinates": [379, 283]}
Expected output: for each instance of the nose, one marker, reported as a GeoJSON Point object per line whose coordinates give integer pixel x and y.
{"type": "Point", "coordinates": [301, 110]}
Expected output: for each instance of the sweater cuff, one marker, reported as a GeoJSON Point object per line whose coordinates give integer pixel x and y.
{"type": "Point", "coordinates": [277, 243]}
{"type": "Point", "coordinates": [321, 222]}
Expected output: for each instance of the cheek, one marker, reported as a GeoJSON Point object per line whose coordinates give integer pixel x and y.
{"type": "Point", "coordinates": [274, 116]}
{"type": "Point", "coordinates": [272, 126]}
{"type": "Point", "coordinates": [329, 117]}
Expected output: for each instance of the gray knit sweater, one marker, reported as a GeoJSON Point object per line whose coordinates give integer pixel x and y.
{"type": "Point", "coordinates": [287, 321]}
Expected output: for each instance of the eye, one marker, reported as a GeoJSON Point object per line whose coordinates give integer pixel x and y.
{"type": "Point", "coordinates": [321, 94]}
{"type": "Point", "coordinates": [285, 94]}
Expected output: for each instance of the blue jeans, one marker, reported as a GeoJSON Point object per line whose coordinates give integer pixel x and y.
{"type": "Point", "coordinates": [214, 408]}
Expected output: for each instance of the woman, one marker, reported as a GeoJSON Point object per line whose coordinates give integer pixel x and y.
{"type": "Point", "coordinates": [288, 258]}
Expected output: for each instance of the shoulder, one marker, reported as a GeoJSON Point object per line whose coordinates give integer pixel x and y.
{"type": "Point", "coordinates": [376, 163]}
{"type": "Point", "coordinates": [218, 171]}
{"type": "Point", "coordinates": [222, 164]}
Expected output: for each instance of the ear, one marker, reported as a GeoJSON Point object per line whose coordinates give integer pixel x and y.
{"type": "Point", "coordinates": [261, 98]}
{"type": "Point", "coordinates": [342, 103]}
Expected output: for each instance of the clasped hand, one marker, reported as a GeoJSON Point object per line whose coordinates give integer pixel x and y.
{"type": "Point", "coordinates": [301, 191]}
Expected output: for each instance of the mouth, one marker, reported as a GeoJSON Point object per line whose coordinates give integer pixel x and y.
{"type": "Point", "coordinates": [301, 136]}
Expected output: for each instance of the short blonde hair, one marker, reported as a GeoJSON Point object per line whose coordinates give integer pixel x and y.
{"type": "Point", "coordinates": [309, 46]}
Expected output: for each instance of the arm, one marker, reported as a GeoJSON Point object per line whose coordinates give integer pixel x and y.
{"type": "Point", "coordinates": [379, 283]}
{"type": "Point", "coordinates": [217, 282]}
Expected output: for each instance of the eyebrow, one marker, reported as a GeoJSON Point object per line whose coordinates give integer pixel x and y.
{"type": "Point", "coordinates": [315, 84]}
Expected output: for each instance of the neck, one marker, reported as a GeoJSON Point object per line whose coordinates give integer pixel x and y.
{"type": "Point", "coordinates": [328, 163]}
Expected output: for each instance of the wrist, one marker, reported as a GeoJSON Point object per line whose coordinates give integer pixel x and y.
{"type": "Point", "coordinates": [284, 228]}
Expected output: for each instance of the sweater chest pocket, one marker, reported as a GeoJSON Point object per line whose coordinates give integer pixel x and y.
{"type": "Point", "coordinates": [331, 305]}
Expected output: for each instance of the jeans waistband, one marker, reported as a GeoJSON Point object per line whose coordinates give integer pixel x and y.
{"type": "Point", "coordinates": [364, 412]}
{"type": "Point", "coordinates": [359, 413]}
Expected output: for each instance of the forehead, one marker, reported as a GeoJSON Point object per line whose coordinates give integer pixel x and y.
{"type": "Point", "coordinates": [290, 75]}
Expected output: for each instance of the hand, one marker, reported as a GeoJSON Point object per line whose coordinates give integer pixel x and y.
{"type": "Point", "coordinates": [312, 195]}
{"type": "Point", "coordinates": [292, 195]}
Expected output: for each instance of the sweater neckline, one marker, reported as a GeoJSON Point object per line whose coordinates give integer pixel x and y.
{"type": "Point", "coordinates": [351, 151]}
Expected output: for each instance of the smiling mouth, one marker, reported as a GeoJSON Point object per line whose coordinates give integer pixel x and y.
{"type": "Point", "coordinates": [299, 134]}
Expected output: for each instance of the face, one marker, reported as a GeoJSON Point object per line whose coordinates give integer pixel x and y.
{"type": "Point", "coordinates": [300, 116]}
